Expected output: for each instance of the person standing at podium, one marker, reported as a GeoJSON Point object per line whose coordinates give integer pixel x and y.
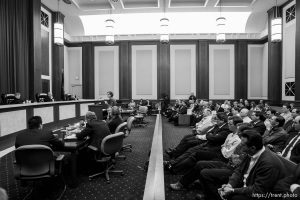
{"type": "Point", "coordinates": [111, 101]}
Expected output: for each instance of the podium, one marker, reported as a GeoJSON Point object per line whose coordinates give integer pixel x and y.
{"type": "Point", "coordinates": [98, 109]}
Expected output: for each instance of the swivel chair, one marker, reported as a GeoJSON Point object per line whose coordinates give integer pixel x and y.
{"type": "Point", "coordinates": [36, 162]}
{"type": "Point", "coordinates": [110, 145]}
{"type": "Point", "coordinates": [7, 98]}
{"type": "Point", "coordinates": [130, 121]}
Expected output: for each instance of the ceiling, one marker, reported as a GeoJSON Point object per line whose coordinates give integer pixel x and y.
{"type": "Point", "coordinates": [82, 15]}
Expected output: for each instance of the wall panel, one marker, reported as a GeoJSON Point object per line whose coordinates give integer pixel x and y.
{"type": "Point", "coordinates": [182, 71]}
{"type": "Point", "coordinates": [144, 71]}
{"type": "Point", "coordinates": [221, 71]}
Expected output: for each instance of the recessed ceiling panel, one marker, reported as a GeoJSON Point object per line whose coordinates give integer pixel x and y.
{"type": "Point", "coordinates": [235, 3]}
{"type": "Point", "coordinates": [136, 4]}
{"type": "Point", "coordinates": [187, 3]}
{"type": "Point", "coordinates": [92, 4]}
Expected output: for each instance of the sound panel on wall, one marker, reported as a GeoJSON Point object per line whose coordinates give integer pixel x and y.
{"type": "Point", "coordinates": [258, 71]}
{"type": "Point", "coordinates": [144, 71]}
{"type": "Point", "coordinates": [221, 71]}
{"type": "Point", "coordinates": [106, 71]}
{"type": "Point", "coordinates": [182, 71]}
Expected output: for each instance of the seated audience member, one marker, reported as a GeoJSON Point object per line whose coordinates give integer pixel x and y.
{"type": "Point", "coordinates": [288, 124]}
{"type": "Point", "coordinates": [246, 104]}
{"type": "Point", "coordinates": [35, 135]}
{"type": "Point", "coordinates": [257, 122]}
{"type": "Point", "coordinates": [49, 97]}
{"type": "Point", "coordinates": [292, 145]}
{"type": "Point", "coordinates": [286, 113]}
{"type": "Point", "coordinates": [3, 194]}
{"type": "Point", "coordinates": [17, 99]}
{"type": "Point", "coordinates": [115, 120]}
{"type": "Point", "coordinates": [231, 149]}
{"type": "Point", "coordinates": [209, 150]}
{"type": "Point", "coordinates": [244, 115]}
{"type": "Point", "coordinates": [292, 106]}
{"type": "Point", "coordinates": [257, 174]}
{"type": "Point", "coordinates": [143, 102]}
{"type": "Point", "coordinates": [181, 111]}
{"type": "Point", "coordinates": [267, 107]}
{"type": "Point", "coordinates": [193, 139]}
{"type": "Point", "coordinates": [192, 97]}
{"type": "Point", "coordinates": [295, 186]}
{"type": "Point", "coordinates": [275, 136]}
{"type": "Point", "coordinates": [132, 104]}
{"type": "Point", "coordinates": [252, 105]}
{"type": "Point", "coordinates": [111, 101]}
{"type": "Point", "coordinates": [234, 111]}
{"type": "Point", "coordinates": [226, 104]}
{"type": "Point", "coordinates": [218, 108]}
{"type": "Point", "coordinates": [96, 130]}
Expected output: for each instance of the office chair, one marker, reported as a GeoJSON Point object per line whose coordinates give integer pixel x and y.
{"type": "Point", "coordinates": [121, 128]}
{"type": "Point", "coordinates": [40, 97]}
{"type": "Point", "coordinates": [141, 114]}
{"type": "Point", "coordinates": [7, 98]}
{"type": "Point", "coordinates": [110, 145]}
{"type": "Point", "coordinates": [130, 121]}
{"type": "Point", "coordinates": [36, 162]}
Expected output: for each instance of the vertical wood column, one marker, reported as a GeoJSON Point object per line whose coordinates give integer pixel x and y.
{"type": "Point", "coordinates": [163, 71]}
{"type": "Point", "coordinates": [35, 71]}
{"type": "Point", "coordinates": [125, 71]}
{"type": "Point", "coordinates": [88, 76]}
{"type": "Point", "coordinates": [202, 71]}
{"type": "Point", "coordinates": [274, 64]}
{"type": "Point", "coordinates": [297, 61]}
{"type": "Point", "coordinates": [241, 70]}
{"type": "Point", "coordinates": [57, 61]}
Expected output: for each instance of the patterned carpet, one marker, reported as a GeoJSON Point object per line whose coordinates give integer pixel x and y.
{"type": "Point", "coordinates": [171, 137]}
{"type": "Point", "coordinates": [129, 187]}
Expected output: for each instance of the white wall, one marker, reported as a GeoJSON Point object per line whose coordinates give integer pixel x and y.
{"type": "Point", "coordinates": [288, 51]}
{"type": "Point", "coordinates": [258, 71]}
{"type": "Point", "coordinates": [183, 71]}
{"type": "Point", "coordinates": [73, 70]}
{"type": "Point", "coordinates": [144, 71]}
{"type": "Point", "coordinates": [221, 71]}
{"type": "Point", "coordinates": [106, 71]}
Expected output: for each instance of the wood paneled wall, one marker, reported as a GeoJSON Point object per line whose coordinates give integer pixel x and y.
{"type": "Point", "coordinates": [163, 63]}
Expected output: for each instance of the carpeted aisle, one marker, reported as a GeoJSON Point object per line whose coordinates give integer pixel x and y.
{"type": "Point", "coordinates": [129, 187]}
{"type": "Point", "coordinates": [171, 137]}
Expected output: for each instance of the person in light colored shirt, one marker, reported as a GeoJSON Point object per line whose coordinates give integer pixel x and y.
{"type": "Point", "coordinates": [205, 121]}
{"type": "Point", "coordinates": [286, 113]}
{"type": "Point", "coordinates": [244, 115]}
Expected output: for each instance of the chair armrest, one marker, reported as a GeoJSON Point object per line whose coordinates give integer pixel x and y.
{"type": "Point", "coordinates": [93, 148]}
{"type": "Point", "coordinates": [60, 157]}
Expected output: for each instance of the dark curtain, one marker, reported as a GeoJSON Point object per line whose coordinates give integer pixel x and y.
{"type": "Point", "coordinates": [14, 46]}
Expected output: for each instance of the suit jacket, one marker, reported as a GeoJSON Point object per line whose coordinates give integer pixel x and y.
{"type": "Point", "coordinates": [37, 136]}
{"type": "Point", "coordinates": [276, 137]}
{"type": "Point", "coordinates": [216, 137]}
{"type": "Point", "coordinates": [263, 177]}
{"type": "Point", "coordinates": [114, 123]}
{"type": "Point", "coordinates": [182, 110]}
{"type": "Point", "coordinates": [295, 153]}
{"type": "Point", "coordinates": [220, 109]}
{"type": "Point", "coordinates": [260, 127]}
{"type": "Point", "coordinates": [96, 130]}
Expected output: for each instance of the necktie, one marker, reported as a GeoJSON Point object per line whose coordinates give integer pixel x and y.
{"type": "Point", "coordinates": [287, 149]}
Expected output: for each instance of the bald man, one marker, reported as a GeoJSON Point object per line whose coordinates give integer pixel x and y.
{"type": "Point", "coordinates": [244, 115]}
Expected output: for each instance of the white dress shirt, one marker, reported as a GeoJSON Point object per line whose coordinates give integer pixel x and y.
{"type": "Point", "coordinates": [230, 144]}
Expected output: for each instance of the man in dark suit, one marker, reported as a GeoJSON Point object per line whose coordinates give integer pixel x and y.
{"type": "Point", "coordinates": [257, 122]}
{"type": "Point", "coordinates": [35, 135]}
{"type": "Point", "coordinates": [257, 174]}
{"type": "Point", "coordinates": [96, 130]}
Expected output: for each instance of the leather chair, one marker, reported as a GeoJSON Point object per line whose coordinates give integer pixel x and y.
{"type": "Point", "coordinates": [141, 114]}
{"type": "Point", "coordinates": [36, 162]}
{"type": "Point", "coordinates": [110, 145]}
{"type": "Point", "coordinates": [40, 97]}
{"type": "Point", "coordinates": [130, 121]}
{"type": "Point", "coordinates": [7, 98]}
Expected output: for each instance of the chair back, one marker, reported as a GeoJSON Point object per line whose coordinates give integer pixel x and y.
{"type": "Point", "coordinates": [34, 161]}
{"type": "Point", "coordinates": [143, 110]}
{"type": "Point", "coordinates": [129, 123]}
{"type": "Point", "coordinates": [112, 143]}
{"type": "Point", "coordinates": [8, 98]}
{"type": "Point", "coordinates": [121, 127]}
{"type": "Point", "coordinates": [40, 97]}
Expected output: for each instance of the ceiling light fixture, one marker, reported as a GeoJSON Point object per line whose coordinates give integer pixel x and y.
{"type": "Point", "coordinates": [58, 30]}
{"type": "Point", "coordinates": [109, 28]}
{"type": "Point", "coordinates": [276, 25]}
{"type": "Point", "coordinates": [164, 28]}
{"type": "Point", "coordinates": [221, 23]}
